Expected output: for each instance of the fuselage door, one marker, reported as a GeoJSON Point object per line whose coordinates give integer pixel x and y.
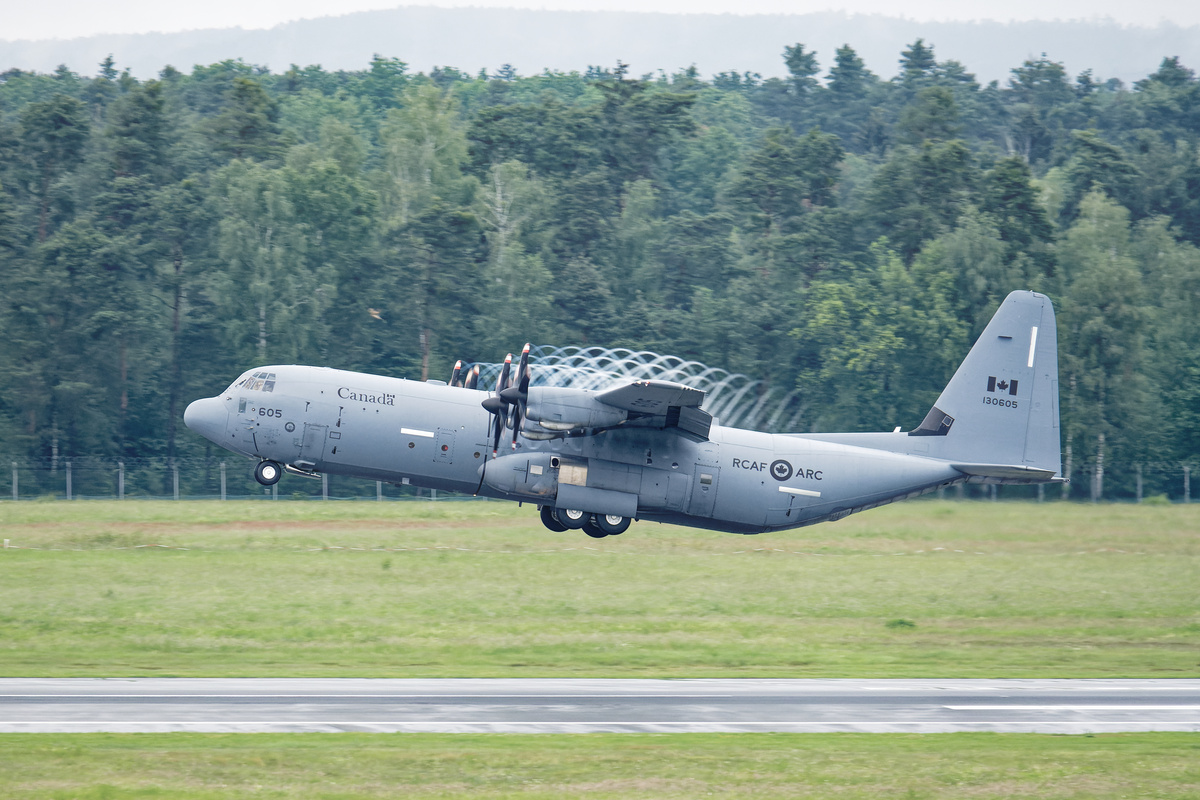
{"type": "Point", "coordinates": [313, 448]}
{"type": "Point", "coordinates": [246, 425]}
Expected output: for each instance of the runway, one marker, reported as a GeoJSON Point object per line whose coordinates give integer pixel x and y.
{"type": "Point", "coordinates": [587, 705]}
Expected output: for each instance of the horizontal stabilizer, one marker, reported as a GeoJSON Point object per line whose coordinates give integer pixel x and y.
{"type": "Point", "coordinates": [1006, 472]}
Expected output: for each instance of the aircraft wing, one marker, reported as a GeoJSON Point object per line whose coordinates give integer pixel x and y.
{"type": "Point", "coordinates": [676, 404]}
{"type": "Point", "coordinates": [647, 404]}
{"type": "Point", "coordinates": [652, 398]}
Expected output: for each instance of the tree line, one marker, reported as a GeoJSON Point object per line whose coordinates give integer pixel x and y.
{"type": "Point", "coordinates": [833, 231]}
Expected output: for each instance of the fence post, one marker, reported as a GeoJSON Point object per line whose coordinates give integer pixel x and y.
{"type": "Point", "coordinates": [120, 480]}
{"type": "Point", "coordinates": [1041, 492]}
{"type": "Point", "coordinates": [1067, 472]}
{"type": "Point", "coordinates": [69, 480]}
{"type": "Point", "coordinates": [1098, 476]}
{"type": "Point", "coordinates": [1187, 483]}
{"type": "Point", "coordinates": [275, 490]}
{"type": "Point", "coordinates": [324, 486]}
{"type": "Point", "coordinates": [175, 481]}
{"type": "Point", "coordinates": [1139, 483]}
{"type": "Point", "coordinates": [379, 490]}
{"type": "Point", "coordinates": [16, 492]}
{"type": "Point", "coordinates": [994, 492]}
{"type": "Point", "coordinates": [222, 480]}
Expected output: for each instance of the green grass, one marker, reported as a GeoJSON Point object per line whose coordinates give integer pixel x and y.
{"type": "Point", "coordinates": [345, 766]}
{"type": "Point", "coordinates": [418, 589]}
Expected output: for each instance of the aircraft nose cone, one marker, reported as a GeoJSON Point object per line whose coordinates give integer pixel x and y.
{"type": "Point", "coordinates": [207, 417]}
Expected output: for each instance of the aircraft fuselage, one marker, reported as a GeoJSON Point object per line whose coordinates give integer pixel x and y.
{"type": "Point", "coordinates": [432, 435]}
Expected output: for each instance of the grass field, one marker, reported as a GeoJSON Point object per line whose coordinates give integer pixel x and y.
{"type": "Point", "coordinates": [923, 589]}
{"type": "Point", "coordinates": [478, 589]}
{"type": "Point", "coordinates": [348, 766]}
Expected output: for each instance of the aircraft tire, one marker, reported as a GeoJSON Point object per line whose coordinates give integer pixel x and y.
{"type": "Point", "coordinates": [592, 529]}
{"type": "Point", "coordinates": [550, 520]}
{"type": "Point", "coordinates": [612, 524]}
{"type": "Point", "coordinates": [572, 519]}
{"type": "Point", "coordinates": [268, 473]}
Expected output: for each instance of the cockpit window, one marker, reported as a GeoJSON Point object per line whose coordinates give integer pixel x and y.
{"type": "Point", "coordinates": [256, 382]}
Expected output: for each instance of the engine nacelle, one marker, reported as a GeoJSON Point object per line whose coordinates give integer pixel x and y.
{"type": "Point", "coordinates": [558, 408]}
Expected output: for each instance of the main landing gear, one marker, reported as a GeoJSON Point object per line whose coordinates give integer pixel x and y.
{"type": "Point", "coordinates": [595, 525]}
{"type": "Point", "coordinates": [268, 473]}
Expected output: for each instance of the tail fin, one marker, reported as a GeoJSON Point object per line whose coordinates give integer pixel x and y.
{"type": "Point", "coordinates": [1000, 410]}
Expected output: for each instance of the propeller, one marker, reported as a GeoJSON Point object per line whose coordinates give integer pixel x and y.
{"type": "Point", "coordinates": [457, 371]}
{"type": "Point", "coordinates": [509, 402]}
{"type": "Point", "coordinates": [517, 396]}
{"type": "Point", "coordinates": [473, 377]}
{"type": "Point", "coordinates": [494, 403]}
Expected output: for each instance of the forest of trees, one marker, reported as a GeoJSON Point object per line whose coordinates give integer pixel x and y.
{"type": "Point", "coordinates": [836, 232]}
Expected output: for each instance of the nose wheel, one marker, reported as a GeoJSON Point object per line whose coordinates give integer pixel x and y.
{"type": "Point", "coordinates": [268, 473]}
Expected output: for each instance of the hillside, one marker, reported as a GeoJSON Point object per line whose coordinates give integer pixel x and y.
{"type": "Point", "coordinates": [475, 38]}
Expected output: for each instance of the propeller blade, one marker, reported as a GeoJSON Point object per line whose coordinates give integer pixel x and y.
{"type": "Point", "coordinates": [502, 378]}
{"type": "Point", "coordinates": [473, 377]}
{"type": "Point", "coordinates": [495, 403]}
{"type": "Point", "coordinates": [523, 371]}
{"type": "Point", "coordinates": [520, 391]}
{"type": "Point", "coordinates": [499, 430]}
{"type": "Point", "coordinates": [520, 394]}
{"type": "Point", "coordinates": [457, 371]}
{"type": "Point", "coordinates": [516, 425]}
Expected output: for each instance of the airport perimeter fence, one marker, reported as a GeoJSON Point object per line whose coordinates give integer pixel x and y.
{"type": "Point", "coordinates": [77, 478]}
{"type": "Point", "coordinates": [90, 478]}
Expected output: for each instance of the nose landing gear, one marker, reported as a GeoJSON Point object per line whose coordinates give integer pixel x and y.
{"type": "Point", "coordinates": [268, 473]}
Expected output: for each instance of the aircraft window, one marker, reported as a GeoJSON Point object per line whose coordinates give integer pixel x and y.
{"type": "Point", "coordinates": [255, 382]}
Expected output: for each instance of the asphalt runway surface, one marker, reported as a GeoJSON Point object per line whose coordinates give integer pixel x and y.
{"type": "Point", "coordinates": [587, 705]}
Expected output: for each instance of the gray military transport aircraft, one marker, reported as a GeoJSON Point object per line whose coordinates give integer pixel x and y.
{"type": "Point", "coordinates": [646, 450]}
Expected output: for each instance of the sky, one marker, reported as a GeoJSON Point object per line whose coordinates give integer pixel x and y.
{"type": "Point", "coordinates": [67, 19]}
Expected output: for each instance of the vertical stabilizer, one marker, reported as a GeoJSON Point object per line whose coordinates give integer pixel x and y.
{"type": "Point", "coordinates": [1001, 406]}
